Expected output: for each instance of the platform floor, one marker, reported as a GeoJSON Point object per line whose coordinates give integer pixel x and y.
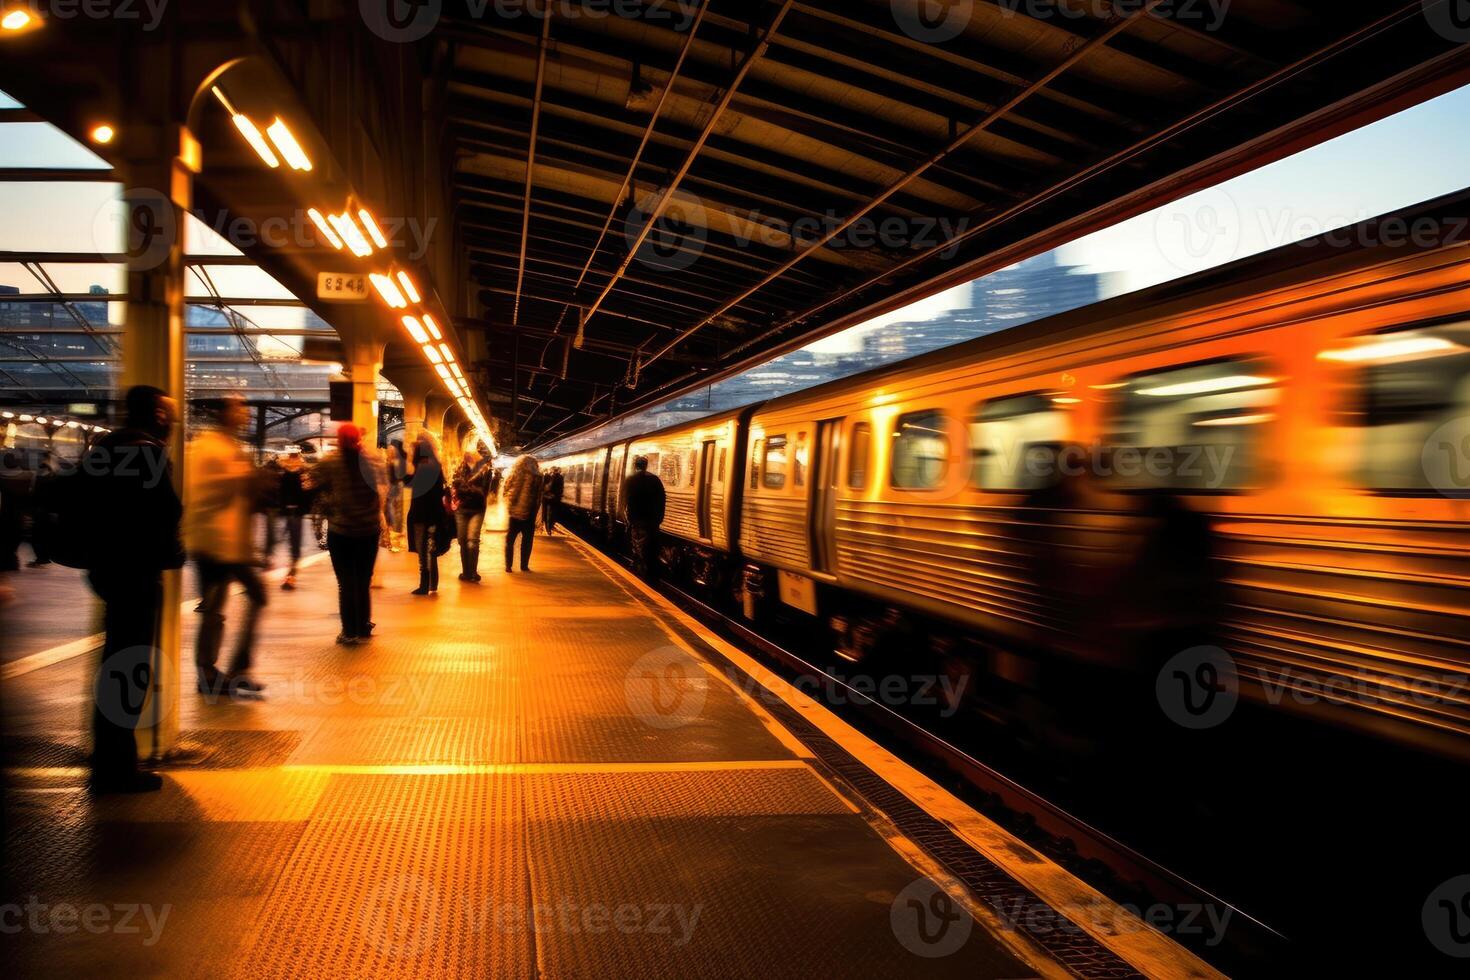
{"type": "Point", "coordinates": [533, 776]}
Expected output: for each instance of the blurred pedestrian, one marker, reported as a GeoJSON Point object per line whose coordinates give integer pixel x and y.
{"type": "Point", "coordinates": [522, 499]}
{"type": "Point", "coordinates": [644, 501]}
{"type": "Point", "coordinates": [43, 516]}
{"type": "Point", "coordinates": [294, 504]}
{"type": "Point", "coordinates": [429, 528]}
{"type": "Point", "coordinates": [130, 512]}
{"type": "Point", "coordinates": [351, 485]}
{"type": "Point", "coordinates": [218, 475]}
{"type": "Point", "coordinates": [393, 506]}
{"type": "Point", "coordinates": [471, 497]}
{"type": "Point", "coordinates": [556, 485]}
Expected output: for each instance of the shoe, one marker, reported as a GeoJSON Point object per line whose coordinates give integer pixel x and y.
{"type": "Point", "coordinates": [212, 683]}
{"type": "Point", "coordinates": [289, 585]}
{"type": "Point", "coordinates": [420, 591]}
{"type": "Point", "coordinates": [525, 568]}
{"type": "Point", "coordinates": [245, 683]}
{"type": "Point", "coordinates": [466, 577]}
{"type": "Point", "coordinates": [124, 782]}
{"type": "Point", "coordinates": [475, 577]}
{"type": "Point", "coordinates": [38, 563]}
{"type": "Point", "coordinates": [343, 640]}
{"type": "Point", "coordinates": [508, 570]}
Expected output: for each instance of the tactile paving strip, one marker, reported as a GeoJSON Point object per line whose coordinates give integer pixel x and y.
{"type": "Point", "coordinates": [627, 795]}
{"type": "Point", "coordinates": [411, 741]}
{"type": "Point", "coordinates": [417, 896]}
{"type": "Point", "coordinates": [1074, 949]}
{"type": "Point", "coordinates": [773, 896]}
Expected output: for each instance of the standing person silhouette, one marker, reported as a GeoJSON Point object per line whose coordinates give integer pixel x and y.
{"type": "Point", "coordinates": [644, 501]}
{"type": "Point", "coordinates": [427, 516]}
{"type": "Point", "coordinates": [131, 514]}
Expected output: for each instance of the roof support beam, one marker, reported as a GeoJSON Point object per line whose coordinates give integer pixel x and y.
{"type": "Point", "coordinates": [531, 155]}
{"type": "Point", "coordinates": [985, 122]}
{"type": "Point", "coordinates": [709, 127]}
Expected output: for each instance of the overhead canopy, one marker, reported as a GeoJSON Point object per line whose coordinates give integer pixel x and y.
{"type": "Point", "coordinates": [618, 199]}
{"type": "Point", "coordinates": [805, 161]}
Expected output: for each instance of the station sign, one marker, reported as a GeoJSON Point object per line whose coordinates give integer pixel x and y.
{"type": "Point", "coordinates": [342, 287]}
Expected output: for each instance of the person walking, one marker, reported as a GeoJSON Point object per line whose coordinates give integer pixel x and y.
{"type": "Point", "coordinates": [393, 507]}
{"type": "Point", "coordinates": [43, 517]}
{"type": "Point", "coordinates": [131, 512]}
{"type": "Point", "coordinates": [556, 486]}
{"type": "Point", "coordinates": [427, 515]}
{"type": "Point", "coordinates": [218, 474]}
{"type": "Point", "coordinates": [351, 485]}
{"type": "Point", "coordinates": [294, 503]}
{"type": "Point", "coordinates": [472, 496]}
{"type": "Point", "coordinates": [522, 498]}
{"type": "Point", "coordinates": [643, 507]}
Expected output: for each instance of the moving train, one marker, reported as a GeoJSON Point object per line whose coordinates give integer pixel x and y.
{"type": "Point", "coordinates": [993, 501]}
{"type": "Point", "coordinates": [1247, 488]}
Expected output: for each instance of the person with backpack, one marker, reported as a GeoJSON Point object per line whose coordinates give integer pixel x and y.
{"type": "Point", "coordinates": [119, 519]}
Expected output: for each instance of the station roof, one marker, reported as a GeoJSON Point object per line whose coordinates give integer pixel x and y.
{"type": "Point", "coordinates": [648, 195]}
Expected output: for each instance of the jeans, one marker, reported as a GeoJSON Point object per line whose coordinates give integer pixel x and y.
{"type": "Point", "coordinates": [550, 509]}
{"type": "Point", "coordinates": [214, 587]}
{"type": "Point", "coordinates": [393, 508]}
{"type": "Point", "coordinates": [133, 601]}
{"type": "Point", "coordinates": [644, 539]}
{"type": "Point", "coordinates": [424, 536]}
{"type": "Point", "coordinates": [353, 560]}
{"type": "Point", "coordinates": [525, 529]}
{"type": "Point", "coordinates": [469, 526]}
{"type": "Point", "coordinates": [291, 519]}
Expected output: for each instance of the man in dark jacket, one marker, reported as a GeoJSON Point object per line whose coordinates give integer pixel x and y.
{"type": "Point", "coordinates": [133, 512]}
{"type": "Point", "coordinates": [643, 506]}
{"type": "Point", "coordinates": [556, 486]}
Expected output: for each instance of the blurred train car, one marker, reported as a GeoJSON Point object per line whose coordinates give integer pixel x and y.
{"type": "Point", "coordinates": [1313, 404]}
{"type": "Point", "coordinates": [1263, 470]}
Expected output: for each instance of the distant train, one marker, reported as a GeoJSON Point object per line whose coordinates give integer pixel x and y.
{"type": "Point", "coordinates": [994, 500]}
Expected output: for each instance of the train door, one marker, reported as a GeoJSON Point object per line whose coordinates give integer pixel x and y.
{"type": "Point", "coordinates": [823, 513]}
{"type": "Point", "coordinates": [706, 487]}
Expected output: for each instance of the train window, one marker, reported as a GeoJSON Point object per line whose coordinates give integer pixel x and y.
{"type": "Point", "coordinates": [1003, 433]}
{"type": "Point", "coordinates": [669, 470]}
{"type": "Point", "coordinates": [653, 462]}
{"type": "Point", "coordinates": [774, 463]}
{"type": "Point", "coordinates": [693, 466]}
{"type": "Point", "coordinates": [1410, 396]}
{"type": "Point", "coordinates": [920, 451]}
{"type": "Point", "coordinates": [755, 462]}
{"type": "Point", "coordinates": [800, 458]}
{"type": "Point", "coordinates": [1195, 428]}
{"type": "Point", "coordinates": [857, 457]}
{"type": "Point", "coordinates": [720, 468]}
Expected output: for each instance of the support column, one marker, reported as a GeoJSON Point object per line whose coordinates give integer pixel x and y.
{"type": "Point", "coordinates": [415, 410]}
{"type": "Point", "coordinates": [158, 190]}
{"type": "Point", "coordinates": [364, 361]}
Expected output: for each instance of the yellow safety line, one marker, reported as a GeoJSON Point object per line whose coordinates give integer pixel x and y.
{"type": "Point", "coordinates": [1114, 927]}
{"type": "Point", "coordinates": [480, 769]}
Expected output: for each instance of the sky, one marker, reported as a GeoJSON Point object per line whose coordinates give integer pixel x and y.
{"type": "Point", "coordinates": [1412, 156]}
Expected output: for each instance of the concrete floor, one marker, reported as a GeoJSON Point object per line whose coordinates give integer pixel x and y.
{"type": "Point", "coordinates": [519, 778]}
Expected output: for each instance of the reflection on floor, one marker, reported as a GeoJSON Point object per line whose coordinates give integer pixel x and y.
{"type": "Point", "coordinates": [525, 776]}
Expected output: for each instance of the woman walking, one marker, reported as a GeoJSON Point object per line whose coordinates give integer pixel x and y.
{"type": "Point", "coordinates": [426, 513]}
{"type": "Point", "coordinates": [351, 486]}
{"type": "Point", "coordinates": [471, 497]}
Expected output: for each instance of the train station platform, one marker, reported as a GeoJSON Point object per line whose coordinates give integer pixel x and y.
{"type": "Point", "coordinates": [550, 774]}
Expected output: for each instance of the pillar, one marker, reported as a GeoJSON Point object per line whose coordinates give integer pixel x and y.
{"type": "Point", "coordinates": [158, 190]}
{"type": "Point", "coordinates": [415, 411]}
{"type": "Point", "coordinates": [364, 361]}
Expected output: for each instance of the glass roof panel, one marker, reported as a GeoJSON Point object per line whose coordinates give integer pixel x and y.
{"type": "Point", "coordinates": [40, 144]}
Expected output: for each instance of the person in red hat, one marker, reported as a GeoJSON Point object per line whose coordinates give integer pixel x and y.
{"type": "Point", "coordinates": [352, 486]}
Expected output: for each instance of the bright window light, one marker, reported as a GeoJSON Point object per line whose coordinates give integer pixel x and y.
{"type": "Point", "coordinates": [448, 354]}
{"type": "Point", "coordinates": [351, 234]}
{"type": "Point", "coordinates": [373, 230]}
{"type": "Point", "coordinates": [432, 353]}
{"type": "Point", "coordinates": [388, 291]}
{"type": "Point", "coordinates": [433, 327]}
{"type": "Point", "coordinates": [1207, 386]}
{"type": "Point", "coordinates": [1391, 349]}
{"type": "Point", "coordinates": [256, 140]}
{"type": "Point", "coordinates": [409, 289]}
